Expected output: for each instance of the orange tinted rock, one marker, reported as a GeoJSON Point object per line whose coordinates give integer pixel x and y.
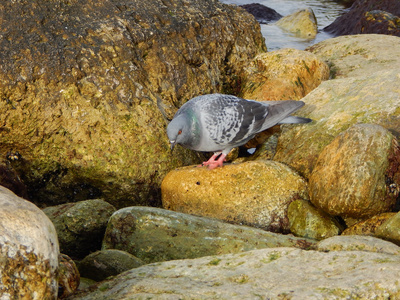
{"type": "Point", "coordinates": [283, 75]}
{"type": "Point", "coordinates": [255, 193]}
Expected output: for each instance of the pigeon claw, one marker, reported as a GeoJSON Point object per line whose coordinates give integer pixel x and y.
{"type": "Point", "coordinates": [213, 163]}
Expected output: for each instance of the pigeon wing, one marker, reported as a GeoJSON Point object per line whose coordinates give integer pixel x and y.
{"type": "Point", "coordinates": [230, 121]}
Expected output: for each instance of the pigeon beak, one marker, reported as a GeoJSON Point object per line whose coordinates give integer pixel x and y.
{"type": "Point", "coordinates": [172, 145]}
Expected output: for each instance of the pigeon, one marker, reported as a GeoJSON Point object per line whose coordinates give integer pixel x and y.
{"type": "Point", "coordinates": [218, 123]}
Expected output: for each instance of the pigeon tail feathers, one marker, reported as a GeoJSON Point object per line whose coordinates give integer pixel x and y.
{"type": "Point", "coordinates": [280, 110]}
{"type": "Point", "coordinates": [295, 120]}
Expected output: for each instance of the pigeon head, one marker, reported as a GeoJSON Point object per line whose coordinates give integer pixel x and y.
{"type": "Point", "coordinates": [178, 131]}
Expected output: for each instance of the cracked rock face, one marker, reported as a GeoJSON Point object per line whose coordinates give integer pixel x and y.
{"type": "Point", "coordinates": [87, 88]}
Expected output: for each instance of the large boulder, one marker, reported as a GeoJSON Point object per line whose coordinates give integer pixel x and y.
{"type": "Point", "coordinates": [87, 87]}
{"type": "Point", "coordinates": [279, 273]}
{"type": "Point", "coordinates": [255, 193]}
{"type": "Point", "coordinates": [28, 250]}
{"type": "Point", "coordinates": [154, 234]}
{"type": "Point", "coordinates": [358, 174]}
{"type": "Point", "coordinates": [369, 94]}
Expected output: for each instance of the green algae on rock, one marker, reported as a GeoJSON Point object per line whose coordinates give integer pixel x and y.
{"type": "Point", "coordinates": [389, 230]}
{"type": "Point", "coordinates": [308, 222]}
{"type": "Point", "coordinates": [278, 273]}
{"type": "Point", "coordinates": [154, 234]}
{"type": "Point", "coordinates": [105, 263]}
{"type": "Point", "coordinates": [80, 226]}
{"type": "Point", "coordinates": [358, 55]}
{"type": "Point", "coordinates": [367, 90]}
{"type": "Point", "coordinates": [358, 243]}
{"type": "Point", "coordinates": [335, 106]}
{"type": "Point", "coordinates": [368, 226]}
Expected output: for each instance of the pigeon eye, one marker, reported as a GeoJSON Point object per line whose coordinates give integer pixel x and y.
{"type": "Point", "coordinates": [180, 131]}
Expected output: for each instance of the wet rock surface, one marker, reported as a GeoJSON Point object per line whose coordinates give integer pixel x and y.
{"type": "Point", "coordinates": [105, 263]}
{"type": "Point", "coordinates": [368, 226]}
{"type": "Point", "coordinates": [307, 221]}
{"type": "Point", "coordinates": [68, 277]}
{"type": "Point", "coordinates": [389, 230]}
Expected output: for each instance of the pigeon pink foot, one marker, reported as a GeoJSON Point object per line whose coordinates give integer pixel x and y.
{"type": "Point", "coordinates": [212, 163]}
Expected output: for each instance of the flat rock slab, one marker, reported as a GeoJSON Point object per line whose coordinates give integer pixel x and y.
{"type": "Point", "coordinates": [284, 273]}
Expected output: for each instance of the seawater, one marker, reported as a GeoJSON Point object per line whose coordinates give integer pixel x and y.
{"type": "Point", "coordinates": [325, 11]}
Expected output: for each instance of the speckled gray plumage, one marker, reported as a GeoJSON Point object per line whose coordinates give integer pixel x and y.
{"type": "Point", "coordinates": [218, 123]}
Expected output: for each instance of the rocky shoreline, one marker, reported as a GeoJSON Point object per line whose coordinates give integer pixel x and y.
{"type": "Point", "coordinates": [313, 213]}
